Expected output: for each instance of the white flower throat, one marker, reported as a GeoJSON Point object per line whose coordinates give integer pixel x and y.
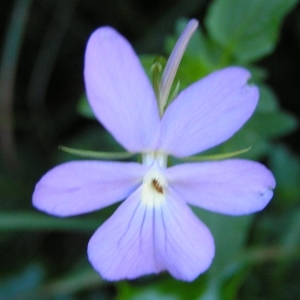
{"type": "Point", "coordinates": [154, 182]}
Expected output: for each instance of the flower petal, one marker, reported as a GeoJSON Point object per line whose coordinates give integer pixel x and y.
{"type": "Point", "coordinates": [184, 245]}
{"type": "Point", "coordinates": [83, 186]}
{"type": "Point", "coordinates": [208, 112]}
{"type": "Point", "coordinates": [141, 239]}
{"type": "Point", "coordinates": [233, 187]}
{"type": "Point", "coordinates": [119, 91]}
{"type": "Point", "coordinates": [122, 248]}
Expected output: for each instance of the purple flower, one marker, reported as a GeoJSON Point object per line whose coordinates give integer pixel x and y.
{"type": "Point", "coordinates": [154, 229]}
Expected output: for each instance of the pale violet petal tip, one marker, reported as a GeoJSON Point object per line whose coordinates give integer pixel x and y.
{"type": "Point", "coordinates": [119, 90]}
{"type": "Point", "coordinates": [83, 186]}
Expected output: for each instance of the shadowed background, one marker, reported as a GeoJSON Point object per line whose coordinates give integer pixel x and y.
{"type": "Point", "coordinates": [41, 84]}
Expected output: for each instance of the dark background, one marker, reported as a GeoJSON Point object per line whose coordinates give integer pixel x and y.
{"type": "Point", "coordinates": [48, 77]}
{"type": "Point", "coordinates": [43, 83]}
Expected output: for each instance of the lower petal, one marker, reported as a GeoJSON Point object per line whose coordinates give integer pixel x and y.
{"type": "Point", "coordinates": [123, 247]}
{"type": "Point", "coordinates": [142, 238]}
{"type": "Point", "coordinates": [184, 245]}
{"type": "Point", "coordinates": [83, 186]}
{"type": "Point", "coordinates": [233, 187]}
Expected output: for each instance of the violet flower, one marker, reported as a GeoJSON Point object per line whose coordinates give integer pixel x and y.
{"type": "Point", "coordinates": [154, 229]}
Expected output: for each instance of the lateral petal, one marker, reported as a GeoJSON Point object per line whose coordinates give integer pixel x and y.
{"type": "Point", "coordinates": [233, 187]}
{"type": "Point", "coordinates": [208, 112]}
{"type": "Point", "coordinates": [80, 187]}
{"type": "Point", "coordinates": [119, 91]}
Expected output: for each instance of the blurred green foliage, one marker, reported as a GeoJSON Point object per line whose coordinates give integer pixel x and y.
{"type": "Point", "coordinates": [257, 256]}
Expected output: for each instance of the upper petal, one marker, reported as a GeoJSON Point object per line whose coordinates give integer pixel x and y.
{"type": "Point", "coordinates": [83, 186]}
{"type": "Point", "coordinates": [208, 112]}
{"type": "Point", "coordinates": [119, 91]}
{"type": "Point", "coordinates": [233, 187]}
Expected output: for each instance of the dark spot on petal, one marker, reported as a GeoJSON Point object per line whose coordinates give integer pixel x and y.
{"type": "Point", "coordinates": [157, 186]}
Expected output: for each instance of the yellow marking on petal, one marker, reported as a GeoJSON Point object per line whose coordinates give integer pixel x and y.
{"type": "Point", "coordinates": [154, 187]}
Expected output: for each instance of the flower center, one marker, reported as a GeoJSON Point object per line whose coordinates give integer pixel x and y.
{"type": "Point", "coordinates": [154, 182]}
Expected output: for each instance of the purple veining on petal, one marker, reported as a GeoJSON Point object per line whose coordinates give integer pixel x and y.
{"type": "Point", "coordinates": [122, 248]}
{"type": "Point", "coordinates": [79, 187]}
{"type": "Point", "coordinates": [139, 240]}
{"type": "Point", "coordinates": [208, 112]}
{"type": "Point", "coordinates": [234, 186]}
{"type": "Point", "coordinates": [185, 246]}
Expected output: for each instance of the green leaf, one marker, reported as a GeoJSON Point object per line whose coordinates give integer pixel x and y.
{"type": "Point", "coordinates": [286, 168]}
{"type": "Point", "coordinates": [248, 30]}
{"type": "Point", "coordinates": [244, 138]}
{"type": "Point", "coordinates": [258, 74]}
{"type": "Point", "coordinates": [75, 281]}
{"type": "Point", "coordinates": [230, 234]}
{"type": "Point", "coordinates": [84, 109]}
{"type": "Point", "coordinates": [268, 101]}
{"type": "Point", "coordinates": [272, 124]}
{"type": "Point", "coordinates": [15, 286]}
{"type": "Point", "coordinates": [291, 238]}
{"type": "Point", "coordinates": [163, 288]}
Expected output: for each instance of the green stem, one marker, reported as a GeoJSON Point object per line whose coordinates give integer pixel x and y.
{"type": "Point", "coordinates": [20, 221]}
{"type": "Point", "coordinates": [215, 156]}
{"type": "Point", "coordinates": [96, 154]}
